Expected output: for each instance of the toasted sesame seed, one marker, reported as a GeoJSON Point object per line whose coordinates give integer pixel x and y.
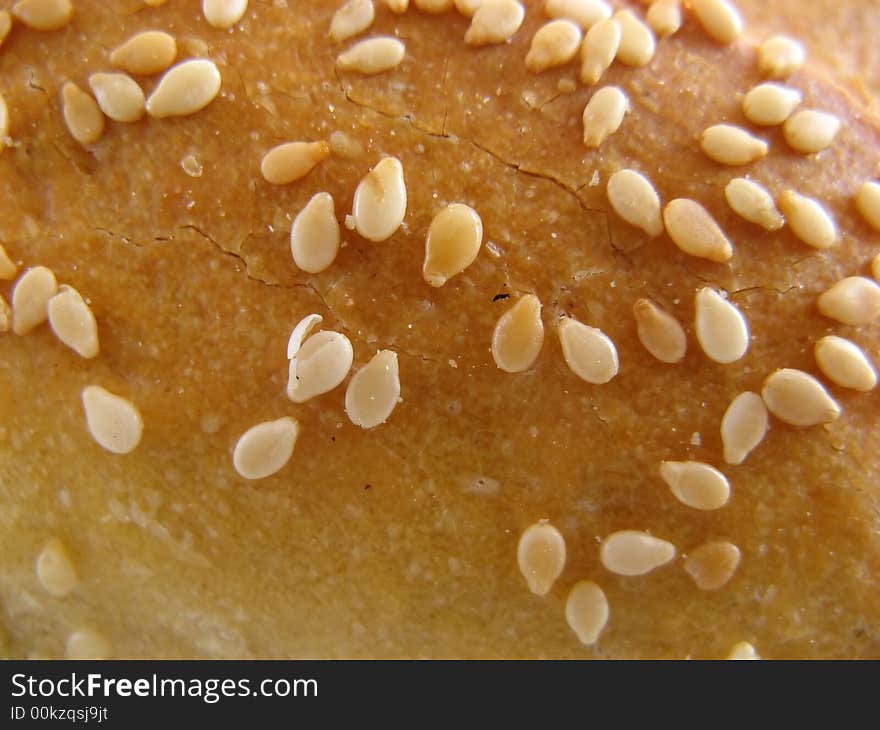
{"type": "Point", "coordinates": [692, 228]}
{"type": "Point", "coordinates": [73, 323]}
{"type": "Point", "coordinates": [495, 21]}
{"type": "Point", "coordinates": [809, 131]}
{"type": "Point", "coordinates": [372, 56]}
{"type": "Point", "coordinates": [798, 399]}
{"type": "Point", "coordinates": [148, 52]}
{"type": "Point", "coordinates": [5, 315]}
{"type": "Point", "coordinates": [314, 235]}
{"type": "Point", "coordinates": [770, 104]}
{"type": "Point", "coordinates": [113, 422]}
{"type": "Point", "coordinates": [719, 18]}
{"type": "Point", "coordinates": [696, 484]}
{"type": "Point", "coordinates": [599, 49]}
{"type": "Point", "coordinates": [743, 426]}
{"type": "Point", "coordinates": [380, 200]}
{"type": "Point", "coordinates": [118, 95]}
{"type": "Point", "coordinates": [586, 13]}
{"type": "Point", "coordinates": [374, 391]}
{"type": "Point", "coordinates": [586, 611]}
{"type": "Point", "coordinates": [588, 352]}
{"type": "Point", "coordinates": [868, 203]}
{"type": "Point", "coordinates": [603, 115]}
{"type": "Point", "coordinates": [87, 644]}
{"type": "Point", "coordinates": [467, 8]}
{"type": "Point", "coordinates": [731, 145]}
{"type": "Point", "coordinates": [435, 7]}
{"type": "Point", "coordinates": [4, 122]}
{"type": "Point", "coordinates": [266, 448]}
{"type": "Point", "coordinates": [854, 300]}
{"type": "Point", "coordinates": [44, 14]}
{"type": "Point", "coordinates": [292, 160]}
{"type": "Point", "coordinates": [319, 365]}
{"type": "Point", "coordinates": [540, 555]}
{"type": "Point", "coordinates": [396, 6]}
{"type": "Point", "coordinates": [634, 198]}
{"type": "Point", "coordinates": [808, 220]}
{"type": "Point", "coordinates": [82, 115]}
{"type": "Point", "coordinates": [845, 363]}
{"type": "Point", "coordinates": [660, 332]}
{"type": "Point", "coordinates": [721, 328]}
{"type": "Point", "coordinates": [554, 44]}
{"type": "Point", "coordinates": [223, 13]}
{"type": "Point", "coordinates": [452, 243]}
{"type": "Point", "coordinates": [743, 650]}
{"type": "Point", "coordinates": [752, 202]}
{"type": "Point", "coordinates": [30, 299]}
{"type": "Point", "coordinates": [300, 332]}
{"type": "Point", "coordinates": [185, 89]}
{"type": "Point", "coordinates": [55, 569]}
{"type": "Point", "coordinates": [518, 335]}
{"type": "Point", "coordinates": [353, 18]}
{"type": "Point", "coordinates": [5, 25]}
{"type": "Point", "coordinates": [631, 552]}
{"type": "Point", "coordinates": [637, 44]}
{"type": "Point", "coordinates": [664, 17]}
{"type": "Point", "coordinates": [8, 268]}
{"type": "Point", "coordinates": [780, 56]}
{"type": "Point", "coordinates": [712, 564]}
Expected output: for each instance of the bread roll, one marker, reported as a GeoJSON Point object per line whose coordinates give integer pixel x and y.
{"type": "Point", "coordinates": [404, 539]}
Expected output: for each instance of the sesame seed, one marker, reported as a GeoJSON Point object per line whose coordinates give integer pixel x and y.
{"type": "Point", "coordinates": [374, 391]}
{"type": "Point", "coordinates": [5, 25]}
{"type": "Point", "coordinates": [770, 104]}
{"type": "Point", "coordinates": [87, 644]}
{"type": "Point", "coordinates": [291, 161]}
{"type": "Point", "coordinates": [540, 555]}
{"type": "Point", "coordinates": [145, 53]}
{"type": "Point", "coordinates": [4, 122]}
{"type": "Point", "coordinates": [808, 220]}
{"type": "Point", "coordinates": [661, 334]}
{"type": "Point", "coordinates": [30, 299]}
{"type": "Point", "coordinates": [692, 228]}
{"type": "Point", "coordinates": [588, 352]}
{"type": "Point", "coordinates": [554, 44]}
{"type": "Point", "coordinates": [868, 203]}
{"type": "Point", "coordinates": [751, 201]}
{"type": "Point", "coordinates": [319, 365]}
{"type": "Point", "coordinates": [155, 3]}
{"type": "Point", "coordinates": [731, 145]}
{"type": "Point", "coordinates": [518, 335]}
{"type": "Point", "coordinates": [798, 399]}
{"type": "Point", "coordinates": [664, 17]}
{"type": "Point", "coordinates": [300, 332]}
{"type": "Point", "coordinates": [631, 552]}
{"type": "Point", "coordinates": [55, 569]}
{"type": "Point", "coordinates": [721, 328]}
{"type": "Point", "coordinates": [396, 6]}
{"type": "Point", "coordinates": [712, 564]}
{"type": "Point", "coordinates": [113, 422]}
{"type": "Point", "coordinates": [586, 13]}
{"type": "Point", "coordinates": [875, 267]}
{"type": "Point", "coordinates": [44, 14]}
{"type": "Point", "coordinates": [435, 7]}
{"type": "Point", "coordinates": [5, 315]}
{"type": "Point", "coordinates": [314, 235]}
{"type": "Point", "coordinates": [637, 44]}
{"type": "Point", "coordinates": [223, 13]}
{"type": "Point", "coordinates": [266, 448]}
{"type": "Point", "coordinates": [495, 21]}
{"type": "Point", "coordinates": [467, 8]}
{"type": "Point", "coordinates": [743, 650]}
{"type": "Point", "coordinates": [372, 56]}
{"type": "Point", "coordinates": [719, 18]}
{"type": "Point", "coordinates": [353, 18]}
{"type": "Point", "coordinates": [603, 115]}
{"type": "Point", "coordinates": [743, 426]}
{"type": "Point", "coordinates": [82, 115]}
{"type": "Point", "coordinates": [8, 268]}
{"type": "Point", "coordinates": [118, 95]}
{"type": "Point", "coordinates": [854, 300]}
{"type": "Point", "coordinates": [380, 200]}
{"type": "Point", "coordinates": [452, 243]}
{"type": "Point", "coordinates": [809, 131]}
{"type": "Point", "coordinates": [845, 363]}
{"type": "Point", "coordinates": [696, 484]}
{"type": "Point", "coordinates": [73, 323]}
{"type": "Point", "coordinates": [599, 50]}
{"type": "Point", "coordinates": [780, 56]}
{"type": "Point", "coordinates": [634, 198]}
{"type": "Point", "coordinates": [586, 611]}
{"type": "Point", "coordinates": [185, 89]}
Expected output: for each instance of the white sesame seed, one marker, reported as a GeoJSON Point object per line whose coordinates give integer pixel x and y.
{"type": "Point", "coordinates": [798, 399]}
{"type": "Point", "coordinates": [113, 422]}
{"type": "Point", "coordinates": [586, 13]}
{"type": "Point", "coordinates": [148, 52]}
{"type": "Point", "coordinates": [664, 17]}
{"type": "Point", "coordinates": [692, 228]}
{"type": "Point", "coordinates": [637, 44]}
{"type": "Point", "coordinates": [452, 243]}
{"type": "Point", "coordinates": [300, 332]}
{"type": "Point", "coordinates": [118, 95]}
{"type": "Point", "coordinates": [808, 220]}
{"type": "Point", "coordinates": [696, 484]}
{"type": "Point", "coordinates": [396, 6]}
{"type": "Point", "coordinates": [599, 49]}
{"type": "Point", "coordinates": [82, 115]}
{"type": "Point", "coordinates": [353, 18]}
{"type": "Point", "coordinates": [518, 335]}
{"type": "Point", "coordinates": [4, 122]}
{"type": "Point", "coordinates": [540, 555]}
{"type": "Point", "coordinates": [588, 352]}
{"type": "Point", "coordinates": [752, 202]}
{"type": "Point", "coordinates": [731, 145]}
{"type": "Point", "coordinates": [634, 198]}
{"type": "Point", "coordinates": [721, 329]}
{"type": "Point", "coordinates": [467, 8]}
{"type": "Point", "coordinates": [44, 14]}
{"type": "Point", "coordinates": [780, 56]}
{"type": "Point", "coordinates": [5, 25]}
{"type": "Point", "coordinates": [73, 323]}
{"type": "Point", "coordinates": [770, 104]}
{"type": "Point", "coordinates": [55, 569]}
{"type": "Point", "coordinates": [266, 448]}
{"type": "Point", "coordinates": [291, 161]}
{"type": "Point", "coordinates": [631, 552]}
{"type": "Point", "coordinates": [712, 564]}
{"type": "Point", "coordinates": [374, 391]}
{"type": "Point", "coordinates": [87, 644]}
{"type": "Point", "coordinates": [435, 7]}
{"type": "Point", "coordinates": [586, 611]}
{"type": "Point", "coordinates": [809, 131]}
{"type": "Point", "coordinates": [661, 334]}
{"type": "Point", "coordinates": [495, 21]}
{"type": "Point", "coordinates": [854, 300]}
{"type": "Point", "coordinates": [30, 299]}
{"type": "Point", "coordinates": [185, 89]}
{"type": "Point", "coordinates": [875, 267]}
{"type": "Point", "coordinates": [743, 426]}
{"type": "Point", "coordinates": [8, 268]}
{"type": "Point", "coordinates": [380, 200]}
{"type": "Point", "coordinates": [319, 365]}
{"type": "Point", "coordinates": [743, 650]}
{"type": "Point", "coordinates": [868, 203]}
{"type": "Point", "coordinates": [554, 44]}
{"type": "Point", "coordinates": [314, 235]}
{"type": "Point", "coordinates": [223, 13]}
{"type": "Point", "coordinates": [5, 315]}
{"type": "Point", "coordinates": [845, 363]}
{"type": "Point", "coordinates": [719, 18]}
{"type": "Point", "coordinates": [603, 115]}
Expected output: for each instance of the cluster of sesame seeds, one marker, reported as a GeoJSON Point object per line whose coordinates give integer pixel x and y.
{"type": "Point", "coordinates": [55, 569]}
{"type": "Point", "coordinates": [452, 243]}
{"type": "Point", "coordinates": [634, 553]}
{"type": "Point", "coordinates": [603, 115]}
{"type": "Point", "coordinates": [291, 161]}
{"type": "Point", "coordinates": [45, 15]}
{"type": "Point", "coordinates": [540, 555]}
{"type": "Point", "coordinates": [113, 421]}
{"type": "Point", "coordinates": [695, 484]}
{"type": "Point", "coordinates": [518, 335]}
{"type": "Point", "coordinates": [223, 14]}
{"type": "Point", "coordinates": [264, 449]}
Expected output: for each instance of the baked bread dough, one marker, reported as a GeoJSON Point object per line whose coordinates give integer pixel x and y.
{"type": "Point", "coordinates": [400, 541]}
